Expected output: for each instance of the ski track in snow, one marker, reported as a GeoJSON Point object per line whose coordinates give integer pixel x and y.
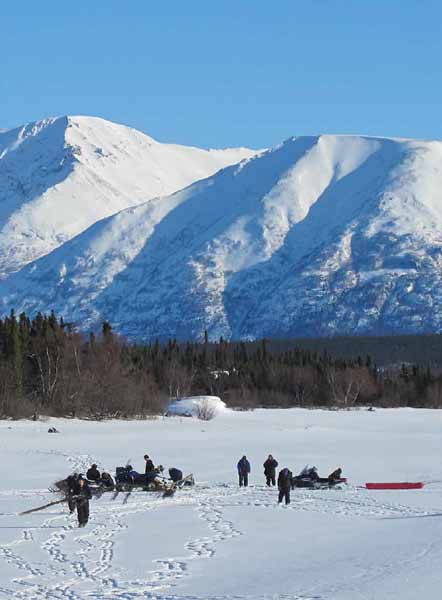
{"type": "Point", "coordinates": [81, 561]}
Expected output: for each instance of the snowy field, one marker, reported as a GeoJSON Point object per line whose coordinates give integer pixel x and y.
{"type": "Point", "coordinates": [217, 541]}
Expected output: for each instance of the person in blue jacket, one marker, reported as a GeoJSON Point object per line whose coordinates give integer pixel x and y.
{"type": "Point", "coordinates": [243, 471]}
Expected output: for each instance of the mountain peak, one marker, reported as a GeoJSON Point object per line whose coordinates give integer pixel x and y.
{"type": "Point", "coordinates": [62, 174]}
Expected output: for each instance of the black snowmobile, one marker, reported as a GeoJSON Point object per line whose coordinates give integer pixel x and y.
{"type": "Point", "coordinates": [127, 480]}
{"type": "Point", "coordinates": [106, 483]}
{"type": "Point", "coordinates": [309, 478]}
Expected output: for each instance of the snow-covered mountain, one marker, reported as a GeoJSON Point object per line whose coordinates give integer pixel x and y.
{"type": "Point", "coordinates": [320, 236]}
{"type": "Point", "coordinates": [61, 175]}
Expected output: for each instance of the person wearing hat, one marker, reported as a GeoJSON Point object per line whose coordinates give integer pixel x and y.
{"type": "Point", "coordinates": [71, 484]}
{"type": "Point", "coordinates": [243, 468]}
{"type": "Point", "coordinates": [93, 474]}
{"type": "Point", "coordinates": [270, 470]}
{"type": "Point", "coordinates": [284, 485]}
{"type": "Point", "coordinates": [82, 495]}
{"type": "Point", "coordinates": [149, 464]}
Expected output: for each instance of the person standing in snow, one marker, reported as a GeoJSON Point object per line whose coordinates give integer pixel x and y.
{"type": "Point", "coordinates": [82, 495]}
{"type": "Point", "coordinates": [243, 467]}
{"type": "Point", "coordinates": [270, 470]}
{"type": "Point", "coordinates": [71, 485]}
{"type": "Point", "coordinates": [284, 485]}
{"type": "Point", "coordinates": [149, 464]}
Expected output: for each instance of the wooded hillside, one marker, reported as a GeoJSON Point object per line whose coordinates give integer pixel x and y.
{"type": "Point", "coordinates": [47, 367]}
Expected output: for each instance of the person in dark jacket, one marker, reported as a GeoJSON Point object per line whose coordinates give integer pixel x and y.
{"type": "Point", "coordinates": [150, 476]}
{"type": "Point", "coordinates": [175, 474]}
{"type": "Point", "coordinates": [107, 481]}
{"type": "Point", "coordinates": [93, 474]}
{"type": "Point", "coordinates": [284, 485]}
{"type": "Point", "coordinates": [270, 470]}
{"type": "Point", "coordinates": [71, 484]}
{"type": "Point", "coordinates": [149, 464]}
{"type": "Point", "coordinates": [309, 472]}
{"type": "Point", "coordinates": [243, 467]}
{"type": "Point", "coordinates": [82, 495]}
{"type": "Point", "coordinates": [337, 474]}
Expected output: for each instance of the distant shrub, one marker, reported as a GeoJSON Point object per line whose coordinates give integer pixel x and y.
{"type": "Point", "coordinates": [205, 410]}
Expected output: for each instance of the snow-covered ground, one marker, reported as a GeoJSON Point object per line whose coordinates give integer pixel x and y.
{"type": "Point", "coordinates": [219, 541]}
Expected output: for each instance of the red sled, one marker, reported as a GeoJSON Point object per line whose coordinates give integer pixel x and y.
{"type": "Point", "coordinates": [402, 485]}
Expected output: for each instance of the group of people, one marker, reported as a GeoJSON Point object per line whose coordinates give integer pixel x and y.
{"type": "Point", "coordinates": [151, 472]}
{"type": "Point", "coordinates": [174, 473]}
{"type": "Point", "coordinates": [78, 490]}
{"type": "Point", "coordinates": [105, 479]}
{"type": "Point", "coordinates": [286, 480]}
{"type": "Point", "coordinates": [78, 487]}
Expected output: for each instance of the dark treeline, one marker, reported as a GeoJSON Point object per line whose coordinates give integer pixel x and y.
{"type": "Point", "coordinates": [48, 368]}
{"type": "Point", "coordinates": [419, 349]}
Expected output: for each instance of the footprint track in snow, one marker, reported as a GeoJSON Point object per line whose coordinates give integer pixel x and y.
{"type": "Point", "coordinates": [88, 570]}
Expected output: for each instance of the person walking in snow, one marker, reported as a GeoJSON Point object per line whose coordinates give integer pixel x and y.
{"type": "Point", "coordinates": [243, 467]}
{"type": "Point", "coordinates": [270, 470]}
{"type": "Point", "coordinates": [284, 485]}
{"type": "Point", "coordinates": [82, 495]}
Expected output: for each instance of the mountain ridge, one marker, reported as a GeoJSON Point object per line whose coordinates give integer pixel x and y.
{"type": "Point", "coordinates": [322, 235]}
{"type": "Point", "coordinates": [60, 175]}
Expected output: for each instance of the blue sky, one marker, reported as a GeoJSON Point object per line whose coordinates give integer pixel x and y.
{"type": "Point", "coordinates": [222, 73]}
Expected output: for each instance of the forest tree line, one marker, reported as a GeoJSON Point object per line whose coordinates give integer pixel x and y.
{"type": "Point", "coordinates": [49, 368]}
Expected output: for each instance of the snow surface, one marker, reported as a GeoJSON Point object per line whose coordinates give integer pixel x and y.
{"type": "Point", "coordinates": [217, 541]}
{"type": "Point", "coordinates": [60, 175]}
{"type": "Point", "coordinates": [320, 236]}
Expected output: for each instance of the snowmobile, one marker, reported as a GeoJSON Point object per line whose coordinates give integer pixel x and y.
{"type": "Point", "coordinates": [309, 478]}
{"type": "Point", "coordinates": [159, 484]}
{"type": "Point", "coordinates": [316, 484]}
{"type": "Point", "coordinates": [126, 480]}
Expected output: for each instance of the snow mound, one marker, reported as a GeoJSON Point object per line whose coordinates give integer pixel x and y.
{"type": "Point", "coordinates": [196, 406]}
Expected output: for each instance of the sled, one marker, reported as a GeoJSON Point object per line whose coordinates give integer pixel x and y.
{"type": "Point", "coordinates": [159, 484]}
{"type": "Point", "coordinates": [33, 510]}
{"type": "Point", "coordinates": [400, 485]}
{"type": "Point", "coordinates": [177, 485]}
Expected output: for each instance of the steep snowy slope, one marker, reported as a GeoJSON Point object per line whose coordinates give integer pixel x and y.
{"type": "Point", "coordinates": [323, 235]}
{"type": "Point", "coordinates": [61, 175]}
